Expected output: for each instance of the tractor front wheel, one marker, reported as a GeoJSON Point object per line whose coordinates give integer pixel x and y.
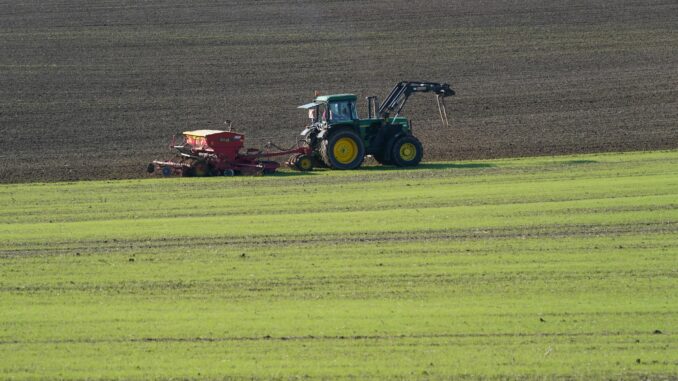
{"type": "Point", "coordinates": [407, 151]}
{"type": "Point", "coordinates": [343, 150]}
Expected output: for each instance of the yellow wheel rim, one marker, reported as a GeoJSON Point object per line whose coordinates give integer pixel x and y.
{"type": "Point", "coordinates": [305, 164]}
{"type": "Point", "coordinates": [408, 151]}
{"type": "Point", "coordinates": [345, 150]}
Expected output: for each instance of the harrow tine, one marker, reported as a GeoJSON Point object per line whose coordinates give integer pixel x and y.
{"type": "Point", "coordinates": [442, 110]}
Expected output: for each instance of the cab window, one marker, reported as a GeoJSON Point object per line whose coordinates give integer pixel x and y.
{"type": "Point", "coordinates": [342, 111]}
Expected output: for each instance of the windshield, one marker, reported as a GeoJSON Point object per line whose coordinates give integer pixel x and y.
{"type": "Point", "coordinates": [342, 110]}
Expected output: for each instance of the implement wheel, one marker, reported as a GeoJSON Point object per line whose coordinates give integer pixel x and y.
{"type": "Point", "coordinates": [407, 151]}
{"type": "Point", "coordinates": [200, 169]}
{"type": "Point", "coordinates": [167, 171]}
{"type": "Point", "coordinates": [303, 163]}
{"type": "Point", "coordinates": [343, 150]}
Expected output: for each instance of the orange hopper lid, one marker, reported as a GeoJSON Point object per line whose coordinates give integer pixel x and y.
{"type": "Point", "coordinates": [203, 133]}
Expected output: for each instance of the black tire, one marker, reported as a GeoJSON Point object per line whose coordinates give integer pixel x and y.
{"type": "Point", "coordinates": [318, 160]}
{"type": "Point", "coordinates": [303, 163]}
{"type": "Point", "coordinates": [407, 151]}
{"type": "Point", "coordinates": [354, 153]}
{"type": "Point", "coordinates": [384, 157]}
{"type": "Point", "coordinates": [201, 169]}
{"type": "Point", "coordinates": [187, 172]}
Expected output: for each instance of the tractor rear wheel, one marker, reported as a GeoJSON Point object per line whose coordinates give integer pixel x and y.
{"type": "Point", "coordinates": [407, 151]}
{"type": "Point", "coordinates": [343, 150]}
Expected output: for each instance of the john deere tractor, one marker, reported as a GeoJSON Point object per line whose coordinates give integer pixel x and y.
{"type": "Point", "coordinates": [341, 140]}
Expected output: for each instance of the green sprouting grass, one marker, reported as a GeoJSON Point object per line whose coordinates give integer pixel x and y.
{"type": "Point", "coordinates": [535, 268]}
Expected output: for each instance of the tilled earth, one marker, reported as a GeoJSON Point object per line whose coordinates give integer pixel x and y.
{"type": "Point", "coordinates": [95, 90]}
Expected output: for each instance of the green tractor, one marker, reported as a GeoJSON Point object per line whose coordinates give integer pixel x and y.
{"type": "Point", "coordinates": [341, 140]}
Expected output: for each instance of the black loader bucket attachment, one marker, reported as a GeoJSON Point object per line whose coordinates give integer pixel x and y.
{"type": "Point", "coordinates": [395, 101]}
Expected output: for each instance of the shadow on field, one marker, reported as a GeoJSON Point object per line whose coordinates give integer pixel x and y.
{"type": "Point", "coordinates": [574, 162]}
{"type": "Point", "coordinates": [291, 173]}
{"type": "Point", "coordinates": [454, 166]}
{"type": "Point", "coordinates": [427, 166]}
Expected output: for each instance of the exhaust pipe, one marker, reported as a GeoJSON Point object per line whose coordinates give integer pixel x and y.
{"type": "Point", "coordinates": [369, 107]}
{"type": "Point", "coordinates": [372, 106]}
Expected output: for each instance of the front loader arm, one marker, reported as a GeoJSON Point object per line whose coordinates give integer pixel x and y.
{"type": "Point", "coordinates": [398, 96]}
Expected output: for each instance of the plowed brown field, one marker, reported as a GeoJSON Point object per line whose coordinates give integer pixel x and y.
{"type": "Point", "coordinates": [94, 89]}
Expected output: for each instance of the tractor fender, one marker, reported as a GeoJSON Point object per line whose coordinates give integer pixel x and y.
{"type": "Point", "coordinates": [325, 133]}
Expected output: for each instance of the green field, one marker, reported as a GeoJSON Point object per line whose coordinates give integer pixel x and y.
{"type": "Point", "coordinates": [537, 268]}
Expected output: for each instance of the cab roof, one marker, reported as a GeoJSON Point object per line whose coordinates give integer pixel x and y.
{"type": "Point", "coordinates": [336, 97]}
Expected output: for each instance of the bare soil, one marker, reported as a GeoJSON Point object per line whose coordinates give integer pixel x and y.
{"type": "Point", "coordinates": [94, 90]}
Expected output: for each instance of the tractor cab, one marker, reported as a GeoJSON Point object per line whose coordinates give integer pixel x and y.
{"type": "Point", "coordinates": [339, 108]}
{"type": "Point", "coordinates": [332, 109]}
